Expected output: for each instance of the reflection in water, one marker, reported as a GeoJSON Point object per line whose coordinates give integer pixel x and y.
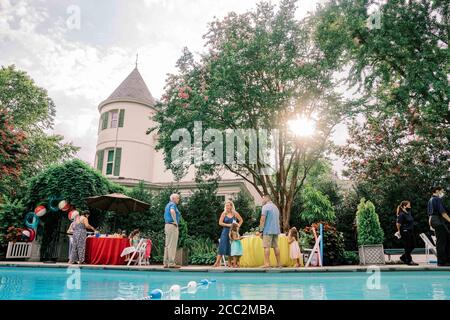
{"type": "Point", "coordinates": [317, 292]}
{"type": "Point", "coordinates": [383, 293]}
{"type": "Point", "coordinates": [438, 291]}
{"type": "Point", "coordinates": [46, 283]}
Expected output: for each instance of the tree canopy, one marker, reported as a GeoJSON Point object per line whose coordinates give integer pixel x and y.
{"type": "Point", "coordinates": [32, 112]}
{"type": "Point", "coordinates": [260, 70]}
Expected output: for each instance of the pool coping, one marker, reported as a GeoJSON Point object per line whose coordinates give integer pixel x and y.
{"type": "Point", "coordinates": [352, 268]}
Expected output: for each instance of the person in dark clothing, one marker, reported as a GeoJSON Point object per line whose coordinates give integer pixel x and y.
{"type": "Point", "coordinates": [437, 219]}
{"type": "Point", "coordinates": [405, 227]}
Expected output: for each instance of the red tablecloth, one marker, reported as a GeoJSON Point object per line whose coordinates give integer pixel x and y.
{"type": "Point", "coordinates": [105, 250]}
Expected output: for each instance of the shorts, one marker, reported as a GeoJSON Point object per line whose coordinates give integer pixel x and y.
{"type": "Point", "coordinates": [270, 241]}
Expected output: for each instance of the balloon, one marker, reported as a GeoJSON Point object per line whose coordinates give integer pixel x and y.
{"type": "Point", "coordinates": [31, 220]}
{"type": "Point", "coordinates": [53, 204]}
{"type": "Point", "coordinates": [40, 211]}
{"type": "Point", "coordinates": [63, 205]}
{"type": "Point", "coordinates": [73, 214]}
{"type": "Point", "coordinates": [28, 235]}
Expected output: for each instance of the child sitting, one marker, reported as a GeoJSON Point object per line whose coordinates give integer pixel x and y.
{"type": "Point", "coordinates": [236, 245]}
{"type": "Point", "coordinates": [294, 248]}
{"type": "Point", "coordinates": [134, 238]}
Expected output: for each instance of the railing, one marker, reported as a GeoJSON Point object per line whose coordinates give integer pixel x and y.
{"type": "Point", "coordinates": [19, 250]}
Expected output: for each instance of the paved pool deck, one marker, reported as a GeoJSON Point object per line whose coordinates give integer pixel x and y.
{"type": "Point", "coordinates": [423, 266]}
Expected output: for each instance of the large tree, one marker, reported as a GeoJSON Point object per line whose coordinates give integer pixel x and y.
{"type": "Point", "coordinates": [261, 69]}
{"type": "Point", "coordinates": [32, 111]}
{"type": "Point", "coordinates": [12, 149]}
{"type": "Point", "coordinates": [398, 145]}
{"type": "Point", "coordinates": [400, 65]}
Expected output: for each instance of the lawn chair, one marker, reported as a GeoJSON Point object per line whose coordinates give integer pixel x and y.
{"type": "Point", "coordinates": [314, 251]}
{"type": "Point", "coordinates": [429, 246]}
{"type": "Point", "coordinates": [138, 253]}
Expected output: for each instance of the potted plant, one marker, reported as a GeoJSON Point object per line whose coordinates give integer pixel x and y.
{"type": "Point", "coordinates": [370, 234]}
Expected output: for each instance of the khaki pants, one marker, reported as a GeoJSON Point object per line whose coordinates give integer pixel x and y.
{"type": "Point", "coordinates": [170, 248]}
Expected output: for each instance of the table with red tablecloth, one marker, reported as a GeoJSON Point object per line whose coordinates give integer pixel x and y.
{"type": "Point", "coordinates": [105, 250]}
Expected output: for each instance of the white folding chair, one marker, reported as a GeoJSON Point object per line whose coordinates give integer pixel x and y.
{"type": "Point", "coordinates": [140, 251]}
{"type": "Point", "coordinates": [315, 250]}
{"type": "Point", "coordinates": [429, 247]}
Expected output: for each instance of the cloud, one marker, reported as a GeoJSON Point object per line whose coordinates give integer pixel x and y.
{"type": "Point", "coordinates": [81, 68]}
{"type": "Point", "coordinates": [77, 76]}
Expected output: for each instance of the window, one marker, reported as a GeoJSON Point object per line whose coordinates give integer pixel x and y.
{"type": "Point", "coordinates": [114, 119]}
{"type": "Point", "coordinates": [110, 162]}
{"type": "Point", "coordinates": [112, 158]}
{"type": "Point", "coordinates": [221, 198]}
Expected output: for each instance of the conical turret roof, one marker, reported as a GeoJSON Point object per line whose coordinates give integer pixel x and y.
{"type": "Point", "coordinates": [133, 89]}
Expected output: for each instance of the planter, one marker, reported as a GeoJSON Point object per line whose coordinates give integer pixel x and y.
{"type": "Point", "coordinates": [35, 252]}
{"type": "Point", "coordinates": [181, 257]}
{"type": "Point", "coordinates": [371, 254]}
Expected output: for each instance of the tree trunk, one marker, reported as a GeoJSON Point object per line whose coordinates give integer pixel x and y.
{"type": "Point", "coordinates": [285, 215]}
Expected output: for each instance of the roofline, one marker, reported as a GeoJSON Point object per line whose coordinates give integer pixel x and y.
{"type": "Point", "coordinates": [182, 184]}
{"type": "Point", "coordinates": [108, 101]}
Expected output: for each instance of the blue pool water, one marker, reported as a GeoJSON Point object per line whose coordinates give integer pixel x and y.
{"type": "Point", "coordinates": [54, 283]}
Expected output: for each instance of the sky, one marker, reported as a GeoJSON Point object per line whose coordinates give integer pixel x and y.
{"type": "Point", "coordinates": [81, 50]}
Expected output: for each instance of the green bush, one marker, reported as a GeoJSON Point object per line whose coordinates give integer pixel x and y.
{"type": "Point", "coordinates": [202, 251]}
{"type": "Point", "coordinates": [12, 212]}
{"type": "Point", "coordinates": [351, 258]}
{"type": "Point", "coordinates": [203, 259]}
{"type": "Point", "coordinates": [333, 243]}
{"type": "Point", "coordinates": [158, 242]}
{"type": "Point", "coordinates": [73, 181]}
{"type": "Point", "coordinates": [368, 224]}
{"type": "Point", "coordinates": [246, 208]}
{"type": "Point", "coordinates": [316, 206]}
{"type": "Point", "coordinates": [202, 211]}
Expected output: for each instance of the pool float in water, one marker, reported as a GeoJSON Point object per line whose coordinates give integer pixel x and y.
{"type": "Point", "coordinates": [31, 220]}
{"type": "Point", "coordinates": [40, 211]}
{"type": "Point", "coordinates": [175, 290]}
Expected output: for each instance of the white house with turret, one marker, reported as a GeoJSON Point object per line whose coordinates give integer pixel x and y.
{"type": "Point", "coordinates": [127, 155]}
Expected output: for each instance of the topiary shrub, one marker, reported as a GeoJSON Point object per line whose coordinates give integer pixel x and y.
{"type": "Point", "coordinates": [368, 224]}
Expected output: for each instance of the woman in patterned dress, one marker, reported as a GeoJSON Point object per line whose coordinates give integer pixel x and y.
{"type": "Point", "coordinates": [79, 237]}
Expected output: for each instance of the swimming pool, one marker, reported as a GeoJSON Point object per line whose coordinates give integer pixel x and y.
{"type": "Point", "coordinates": [17, 283]}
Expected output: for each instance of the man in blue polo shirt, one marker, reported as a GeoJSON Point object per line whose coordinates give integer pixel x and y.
{"type": "Point", "coordinates": [437, 219]}
{"type": "Point", "coordinates": [269, 224]}
{"type": "Point", "coordinates": [172, 220]}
